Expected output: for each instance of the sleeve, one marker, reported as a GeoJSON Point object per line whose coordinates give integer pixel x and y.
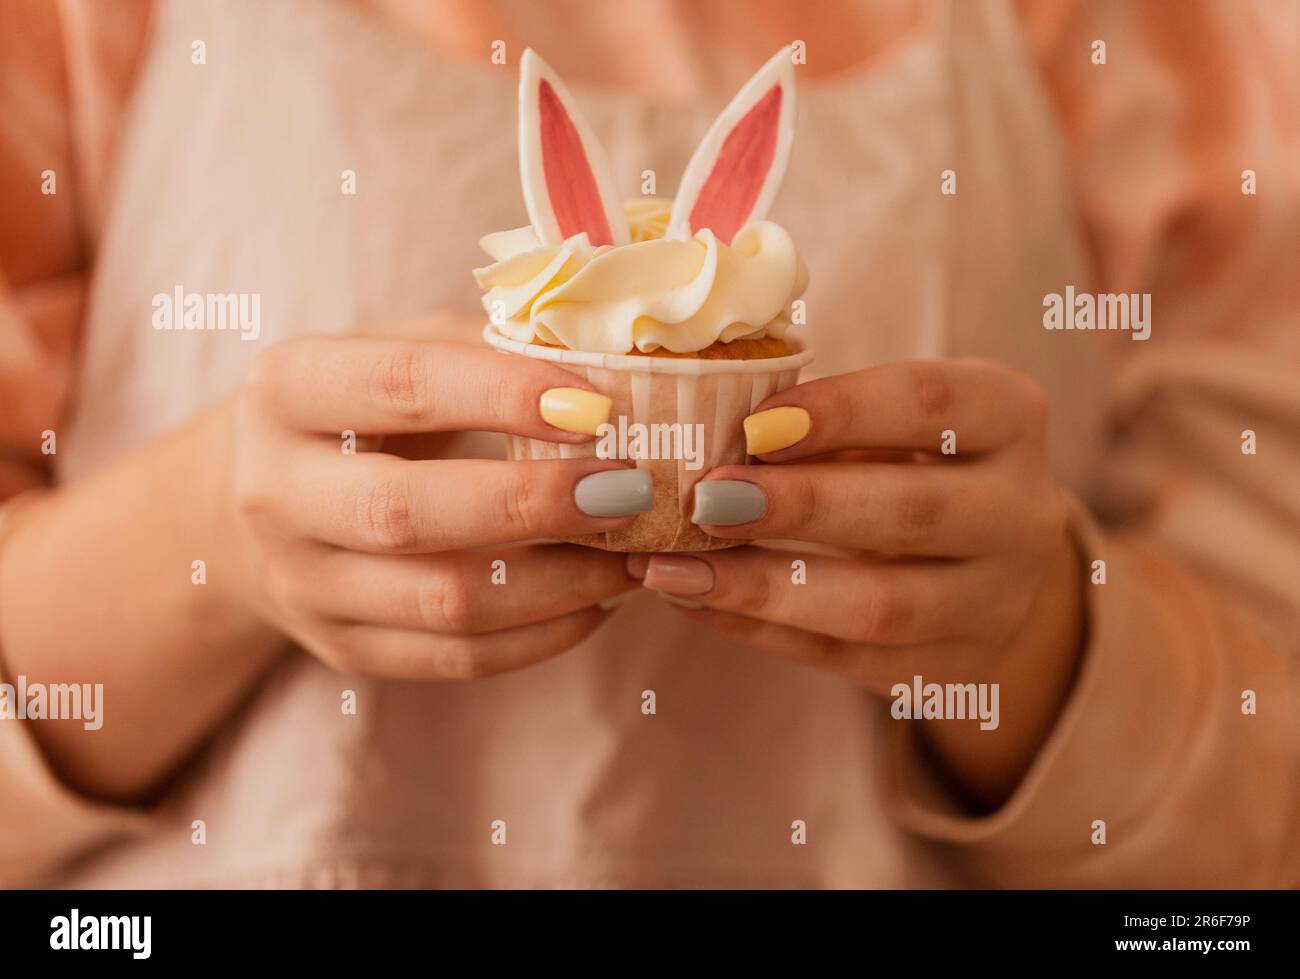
{"type": "Point", "coordinates": [1181, 738]}
{"type": "Point", "coordinates": [65, 70]}
{"type": "Point", "coordinates": [42, 252]}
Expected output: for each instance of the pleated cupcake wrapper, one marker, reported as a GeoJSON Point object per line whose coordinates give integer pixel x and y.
{"type": "Point", "coordinates": [660, 390]}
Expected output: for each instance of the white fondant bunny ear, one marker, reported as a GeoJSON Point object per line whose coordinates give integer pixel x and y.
{"type": "Point", "coordinates": [567, 187]}
{"type": "Point", "coordinates": [734, 174]}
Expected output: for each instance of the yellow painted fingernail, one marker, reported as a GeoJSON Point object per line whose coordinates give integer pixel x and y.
{"type": "Point", "coordinates": [776, 428]}
{"type": "Point", "coordinates": [575, 410]}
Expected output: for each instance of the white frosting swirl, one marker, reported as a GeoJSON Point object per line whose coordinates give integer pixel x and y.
{"type": "Point", "coordinates": [655, 292]}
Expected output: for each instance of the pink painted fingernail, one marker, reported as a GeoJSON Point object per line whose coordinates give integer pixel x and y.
{"type": "Point", "coordinates": [676, 574]}
{"type": "Point", "coordinates": [636, 565]}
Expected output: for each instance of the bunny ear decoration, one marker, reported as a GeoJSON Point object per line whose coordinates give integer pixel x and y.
{"type": "Point", "coordinates": [737, 168]}
{"type": "Point", "coordinates": [567, 187]}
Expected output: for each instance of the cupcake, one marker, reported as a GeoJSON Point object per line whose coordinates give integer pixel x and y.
{"type": "Point", "coordinates": [678, 310]}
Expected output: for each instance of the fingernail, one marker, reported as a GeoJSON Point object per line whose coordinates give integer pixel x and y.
{"type": "Point", "coordinates": [574, 409]}
{"type": "Point", "coordinates": [726, 502]}
{"type": "Point", "coordinates": [676, 574]}
{"type": "Point", "coordinates": [776, 428]}
{"type": "Point", "coordinates": [615, 493]}
{"type": "Point", "coordinates": [682, 602]}
{"type": "Point", "coordinates": [613, 602]}
{"type": "Point", "coordinates": [636, 565]}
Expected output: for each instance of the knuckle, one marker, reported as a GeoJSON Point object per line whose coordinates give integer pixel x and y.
{"type": "Point", "coordinates": [806, 501]}
{"type": "Point", "coordinates": [884, 615]}
{"type": "Point", "coordinates": [386, 517]}
{"type": "Point", "coordinates": [842, 402]}
{"type": "Point", "coordinates": [255, 500]}
{"type": "Point", "coordinates": [932, 391]}
{"type": "Point", "coordinates": [446, 605]}
{"type": "Point", "coordinates": [401, 382]}
{"type": "Point", "coordinates": [504, 397]}
{"type": "Point", "coordinates": [519, 501]}
{"type": "Point", "coordinates": [919, 511]}
{"type": "Point", "coordinates": [252, 500]}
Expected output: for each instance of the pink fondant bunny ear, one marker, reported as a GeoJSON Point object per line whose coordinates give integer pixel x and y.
{"type": "Point", "coordinates": [734, 174]}
{"type": "Point", "coordinates": [567, 187]}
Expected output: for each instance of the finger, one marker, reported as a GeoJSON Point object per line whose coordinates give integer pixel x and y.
{"type": "Point", "coordinates": [906, 405]}
{"type": "Point", "coordinates": [464, 592]}
{"type": "Point", "coordinates": [381, 504]}
{"type": "Point", "coordinates": [401, 654]}
{"type": "Point", "coordinates": [789, 642]}
{"type": "Point", "coordinates": [874, 603]}
{"type": "Point", "coordinates": [385, 387]}
{"type": "Point", "coordinates": [875, 669]}
{"type": "Point", "coordinates": [922, 510]}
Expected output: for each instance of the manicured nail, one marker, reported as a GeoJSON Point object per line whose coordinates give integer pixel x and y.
{"type": "Point", "coordinates": [615, 493]}
{"type": "Point", "coordinates": [727, 502]}
{"type": "Point", "coordinates": [636, 565]}
{"type": "Point", "coordinates": [677, 574]}
{"type": "Point", "coordinates": [613, 602]}
{"type": "Point", "coordinates": [776, 428]}
{"type": "Point", "coordinates": [574, 409]}
{"type": "Point", "coordinates": [682, 602]}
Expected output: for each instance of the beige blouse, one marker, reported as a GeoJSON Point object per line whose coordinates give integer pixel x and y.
{"type": "Point", "coordinates": [228, 177]}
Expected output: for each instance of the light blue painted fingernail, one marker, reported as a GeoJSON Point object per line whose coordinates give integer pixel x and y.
{"type": "Point", "coordinates": [678, 600]}
{"type": "Point", "coordinates": [613, 602]}
{"type": "Point", "coordinates": [615, 493]}
{"type": "Point", "coordinates": [727, 502]}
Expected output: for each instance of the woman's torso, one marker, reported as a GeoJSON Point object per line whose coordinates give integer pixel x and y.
{"type": "Point", "coordinates": [231, 180]}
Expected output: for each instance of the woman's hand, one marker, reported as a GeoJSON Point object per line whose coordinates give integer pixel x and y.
{"type": "Point", "coordinates": [364, 559]}
{"type": "Point", "coordinates": [955, 566]}
{"type": "Point", "coordinates": [384, 565]}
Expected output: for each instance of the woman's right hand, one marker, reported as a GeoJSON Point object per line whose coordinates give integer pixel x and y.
{"type": "Point", "coordinates": [383, 565]}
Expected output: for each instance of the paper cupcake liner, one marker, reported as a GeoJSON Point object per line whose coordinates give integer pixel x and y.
{"type": "Point", "coordinates": [718, 394]}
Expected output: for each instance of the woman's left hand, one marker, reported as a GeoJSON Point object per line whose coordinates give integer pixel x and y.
{"type": "Point", "coordinates": [955, 564]}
